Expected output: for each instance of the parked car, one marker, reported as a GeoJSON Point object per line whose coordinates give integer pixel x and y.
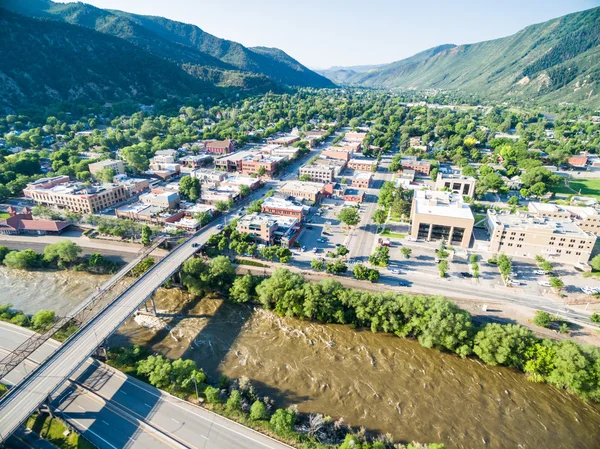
{"type": "Point", "coordinates": [219, 226]}
{"type": "Point", "coordinates": [513, 282]}
{"type": "Point", "coordinates": [195, 245]}
{"type": "Point", "coordinates": [308, 227]}
{"type": "Point", "coordinates": [544, 283]}
{"type": "Point", "coordinates": [466, 274]}
{"type": "Point", "coordinates": [395, 270]}
{"type": "Point", "coordinates": [403, 283]}
{"type": "Point", "coordinates": [303, 249]}
{"type": "Point", "coordinates": [539, 272]}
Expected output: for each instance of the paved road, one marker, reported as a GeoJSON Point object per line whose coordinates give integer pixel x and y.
{"type": "Point", "coordinates": [113, 410]}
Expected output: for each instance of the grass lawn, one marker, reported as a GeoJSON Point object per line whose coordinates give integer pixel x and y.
{"type": "Point", "coordinates": [4, 215]}
{"type": "Point", "coordinates": [52, 429]}
{"type": "Point", "coordinates": [479, 217]}
{"type": "Point", "coordinates": [388, 233]}
{"type": "Point", "coordinates": [588, 187]}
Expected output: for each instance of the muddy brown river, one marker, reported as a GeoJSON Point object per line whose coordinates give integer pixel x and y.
{"type": "Point", "coordinates": [382, 382]}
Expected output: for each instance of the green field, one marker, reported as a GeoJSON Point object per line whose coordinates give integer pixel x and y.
{"type": "Point", "coordinates": [587, 187]}
{"type": "Point", "coordinates": [3, 215]}
{"type": "Point", "coordinates": [387, 233]}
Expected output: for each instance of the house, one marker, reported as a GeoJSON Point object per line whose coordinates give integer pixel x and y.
{"type": "Point", "coordinates": [23, 223]}
{"type": "Point", "coordinates": [578, 161]}
{"type": "Point", "coordinates": [352, 195]}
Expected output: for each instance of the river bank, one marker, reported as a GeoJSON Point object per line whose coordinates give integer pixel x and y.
{"type": "Point", "coordinates": [378, 381]}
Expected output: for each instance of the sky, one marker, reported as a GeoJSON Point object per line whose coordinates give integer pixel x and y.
{"type": "Point", "coordinates": [325, 33]}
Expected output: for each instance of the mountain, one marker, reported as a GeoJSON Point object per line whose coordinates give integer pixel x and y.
{"type": "Point", "coordinates": [557, 60]}
{"type": "Point", "coordinates": [199, 53]}
{"type": "Point", "coordinates": [45, 61]}
{"type": "Point", "coordinates": [342, 74]}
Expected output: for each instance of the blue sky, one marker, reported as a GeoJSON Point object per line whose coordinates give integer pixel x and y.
{"type": "Point", "coordinates": [323, 33]}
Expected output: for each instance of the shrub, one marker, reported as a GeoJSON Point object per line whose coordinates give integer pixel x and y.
{"type": "Point", "coordinates": [258, 411]}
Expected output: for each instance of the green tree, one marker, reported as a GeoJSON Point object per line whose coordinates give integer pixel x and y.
{"type": "Point", "coordinates": [406, 252]}
{"type": "Point", "coordinates": [349, 216]}
{"type": "Point", "coordinates": [213, 395]}
{"type": "Point", "coordinates": [556, 283]}
{"type": "Point", "coordinates": [505, 345]}
{"type": "Point", "coordinates": [595, 317]}
{"type": "Point", "coordinates": [203, 218]}
{"type": "Point", "coordinates": [222, 206]}
{"type": "Point", "coordinates": [336, 267]}
{"type": "Point", "coordinates": [443, 268]}
{"type": "Point", "coordinates": [540, 361]}
{"type": "Point", "coordinates": [258, 411]}
{"type": "Point", "coordinates": [305, 178]}
{"type": "Point", "coordinates": [513, 200]}
{"type": "Point", "coordinates": [65, 251]}
{"type": "Point", "coordinates": [255, 207]}
{"type": "Point", "coordinates": [284, 254]}
{"type": "Point", "coordinates": [42, 319]}
{"type": "Point", "coordinates": [282, 422]}
{"type": "Point", "coordinates": [234, 402]}
{"type": "Point", "coordinates": [221, 272]}
{"type": "Point", "coordinates": [21, 260]}
{"type": "Point", "coordinates": [189, 187]}
{"type": "Point", "coordinates": [243, 288]}
{"type": "Point", "coordinates": [146, 235]}
{"type": "Point", "coordinates": [3, 252]}
{"type": "Point", "coordinates": [379, 216]}
{"type": "Point", "coordinates": [157, 369]}
{"type": "Point", "coordinates": [595, 262]}
{"type": "Point", "coordinates": [317, 264]}
{"type": "Point", "coordinates": [144, 265]}
{"type": "Point", "coordinates": [261, 171]}
{"type": "Point", "coordinates": [106, 175]}
{"type": "Point", "coordinates": [244, 191]}
{"type": "Point", "coordinates": [542, 319]}
{"type": "Point", "coordinates": [380, 257]}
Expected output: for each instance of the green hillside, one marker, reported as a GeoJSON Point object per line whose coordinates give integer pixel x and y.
{"type": "Point", "coordinates": [45, 61]}
{"type": "Point", "coordinates": [201, 54]}
{"type": "Point", "coordinates": [557, 60]}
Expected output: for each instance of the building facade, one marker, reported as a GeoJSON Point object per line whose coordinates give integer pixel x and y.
{"type": "Point", "coordinates": [369, 165]}
{"type": "Point", "coordinates": [461, 185]}
{"type": "Point", "coordinates": [116, 165]}
{"type": "Point", "coordinates": [220, 146]}
{"type": "Point", "coordinates": [285, 208]}
{"type": "Point", "coordinates": [310, 191]}
{"type": "Point", "coordinates": [437, 216]}
{"type": "Point", "coordinates": [527, 235]}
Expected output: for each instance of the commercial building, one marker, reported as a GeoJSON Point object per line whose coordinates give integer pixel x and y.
{"type": "Point", "coordinates": [412, 163]}
{"type": "Point", "coordinates": [220, 146]}
{"type": "Point", "coordinates": [528, 235]}
{"type": "Point", "coordinates": [270, 229]}
{"type": "Point", "coordinates": [75, 196]}
{"type": "Point", "coordinates": [285, 140]}
{"type": "Point", "coordinates": [355, 137]}
{"type": "Point", "coordinates": [352, 195]}
{"type": "Point", "coordinates": [362, 180]}
{"type": "Point", "coordinates": [238, 181]}
{"type": "Point", "coordinates": [439, 216]}
{"type": "Point", "coordinates": [462, 185]}
{"type": "Point", "coordinates": [23, 223]}
{"type": "Point", "coordinates": [280, 206]}
{"type": "Point", "coordinates": [214, 195]}
{"type": "Point", "coordinates": [251, 164]}
{"type": "Point", "coordinates": [587, 218]}
{"type": "Point", "coordinates": [196, 161]}
{"type": "Point", "coordinates": [116, 165]}
{"type": "Point", "coordinates": [310, 191]}
{"type": "Point", "coordinates": [133, 186]}
{"type": "Point", "coordinates": [148, 213]}
{"type": "Point", "coordinates": [342, 153]}
{"type": "Point", "coordinates": [161, 198]}
{"type": "Point", "coordinates": [369, 165]}
{"type": "Point", "coordinates": [323, 169]}
{"type": "Point", "coordinates": [233, 162]}
{"type": "Point", "coordinates": [208, 176]}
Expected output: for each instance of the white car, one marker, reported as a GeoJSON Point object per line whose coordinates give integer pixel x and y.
{"type": "Point", "coordinates": [544, 283]}
{"type": "Point", "coordinates": [395, 270]}
{"type": "Point", "coordinates": [410, 239]}
{"type": "Point", "coordinates": [539, 272]}
{"type": "Point", "coordinates": [513, 283]}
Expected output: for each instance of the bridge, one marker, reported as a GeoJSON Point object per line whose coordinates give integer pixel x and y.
{"type": "Point", "coordinates": [96, 326]}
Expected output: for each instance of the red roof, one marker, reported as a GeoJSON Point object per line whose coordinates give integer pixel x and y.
{"type": "Point", "coordinates": [578, 160]}
{"type": "Point", "coordinates": [219, 143]}
{"type": "Point", "coordinates": [43, 225]}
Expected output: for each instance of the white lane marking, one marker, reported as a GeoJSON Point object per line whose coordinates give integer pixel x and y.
{"type": "Point", "coordinates": [175, 420]}
{"type": "Point", "coordinates": [81, 407]}
{"type": "Point", "coordinates": [123, 392]}
{"type": "Point", "coordinates": [85, 429]}
{"type": "Point", "coordinates": [147, 405]}
{"type": "Point", "coordinates": [105, 422]}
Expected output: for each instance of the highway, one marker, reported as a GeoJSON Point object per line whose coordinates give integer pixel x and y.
{"type": "Point", "coordinates": [113, 410]}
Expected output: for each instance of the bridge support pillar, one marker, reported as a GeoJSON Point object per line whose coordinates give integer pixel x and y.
{"type": "Point", "coordinates": [102, 352]}
{"type": "Point", "coordinates": [153, 305]}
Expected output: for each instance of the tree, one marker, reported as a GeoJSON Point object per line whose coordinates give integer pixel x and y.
{"type": "Point", "coordinates": [349, 216]}
{"type": "Point", "coordinates": [212, 394]}
{"type": "Point", "coordinates": [337, 267]}
{"type": "Point", "coordinates": [406, 252]}
{"type": "Point", "coordinates": [513, 200]}
{"type": "Point", "coordinates": [146, 234]}
{"type": "Point", "coordinates": [269, 253]}
{"type": "Point", "coordinates": [3, 252]}
{"type": "Point", "coordinates": [190, 187]}
{"type": "Point", "coordinates": [505, 345]}
{"type": "Point", "coordinates": [282, 422]}
{"type": "Point", "coordinates": [157, 369]}
{"type": "Point", "coordinates": [595, 262]}
{"type": "Point", "coordinates": [379, 216]}
{"type": "Point", "coordinates": [244, 191]}
{"type": "Point", "coordinates": [65, 251]}
{"type": "Point", "coordinates": [595, 318]}
{"type": "Point", "coordinates": [317, 264]}
{"type": "Point", "coordinates": [542, 319]}
{"type": "Point", "coordinates": [504, 265]}
{"type": "Point", "coordinates": [261, 171]}
{"type": "Point", "coordinates": [234, 402]}
{"type": "Point", "coordinates": [106, 175]}
{"type": "Point", "coordinates": [220, 272]}
{"type": "Point", "coordinates": [243, 288]}
{"type": "Point", "coordinates": [540, 361]}
{"type": "Point", "coordinates": [203, 218]}
{"type": "Point", "coordinates": [42, 319]}
{"type": "Point", "coordinates": [361, 272]}
{"type": "Point", "coordinates": [284, 254]}
{"type": "Point", "coordinates": [258, 411]}
{"type": "Point", "coordinates": [380, 257]}
{"type": "Point", "coordinates": [255, 207]}
{"type": "Point", "coordinates": [144, 265]}
{"type": "Point", "coordinates": [443, 268]}
{"type": "Point", "coordinates": [305, 178]}
{"type": "Point", "coordinates": [193, 273]}
{"type": "Point", "coordinates": [21, 260]}
{"type": "Point", "coordinates": [222, 206]}
{"type": "Point", "coordinates": [556, 283]}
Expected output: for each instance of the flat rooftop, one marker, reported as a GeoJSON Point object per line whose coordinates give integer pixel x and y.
{"type": "Point", "coordinates": [362, 176]}
{"type": "Point", "coordinates": [281, 203]}
{"type": "Point", "coordinates": [524, 221]}
{"type": "Point", "coordinates": [442, 204]}
{"type": "Point", "coordinates": [300, 186]}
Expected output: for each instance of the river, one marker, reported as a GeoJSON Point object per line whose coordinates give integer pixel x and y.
{"type": "Point", "coordinates": [384, 383]}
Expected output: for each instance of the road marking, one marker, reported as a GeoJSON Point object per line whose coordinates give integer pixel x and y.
{"type": "Point", "coordinates": [147, 405]}
{"type": "Point", "coordinates": [81, 407]}
{"type": "Point", "coordinates": [105, 422]}
{"type": "Point", "coordinates": [175, 420]}
{"type": "Point", "coordinates": [123, 393]}
{"type": "Point", "coordinates": [84, 429]}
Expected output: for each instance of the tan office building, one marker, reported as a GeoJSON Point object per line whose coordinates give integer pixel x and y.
{"type": "Point", "coordinates": [587, 218]}
{"type": "Point", "coordinates": [462, 185]}
{"type": "Point", "coordinates": [77, 197]}
{"type": "Point", "coordinates": [310, 191]}
{"type": "Point", "coordinates": [437, 216]}
{"type": "Point", "coordinates": [527, 235]}
{"type": "Point", "coordinates": [117, 166]}
{"type": "Point", "coordinates": [320, 173]}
